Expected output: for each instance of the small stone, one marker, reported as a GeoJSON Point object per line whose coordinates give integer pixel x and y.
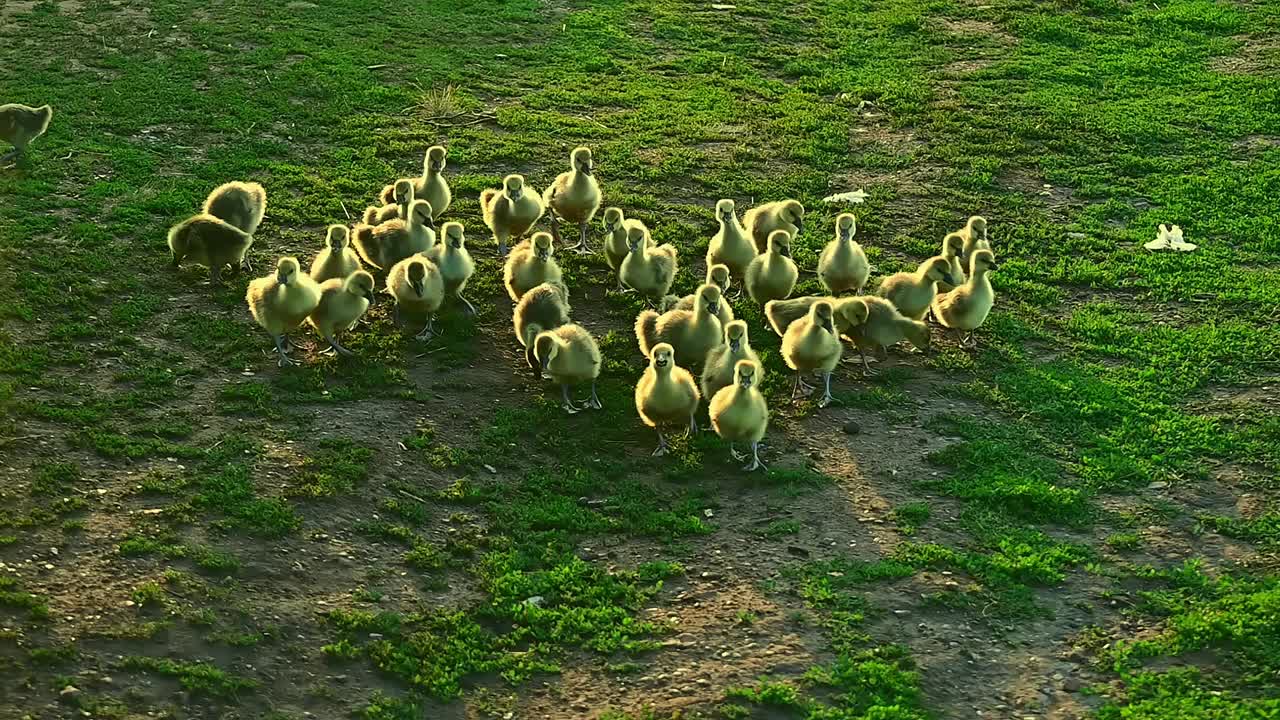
{"type": "Point", "coordinates": [901, 612]}
{"type": "Point", "coordinates": [1158, 485]}
{"type": "Point", "coordinates": [69, 693]}
{"type": "Point", "coordinates": [1072, 684]}
{"type": "Point", "coordinates": [852, 428]}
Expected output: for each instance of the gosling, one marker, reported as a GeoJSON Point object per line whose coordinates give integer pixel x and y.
{"type": "Point", "coordinates": [615, 239]}
{"type": "Point", "coordinates": [431, 187]}
{"type": "Point", "coordinates": [740, 414]}
{"type": "Point", "coordinates": [842, 265]}
{"type": "Point", "coordinates": [721, 361]}
{"type": "Point", "coordinates": [574, 196]}
{"type": "Point", "coordinates": [974, 234]}
{"type": "Point", "coordinates": [337, 259]}
{"type": "Point", "coordinates": [454, 261]}
{"type": "Point", "coordinates": [780, 314]}
{"type": "Point", "coordinates": [912, 292]}
{"type": "Point", "coordinates": [569, 355]}
{"type": "Point", "coordinates": [510, 212]}
{"type": "Point", "coordinates": [812, 344]}
{"type": "Point", "coordinates": [717, 275]}
{"type": "Point", "coordinates": [966, 307]}
{"type": "Point", "coordinates": [730, 246]}
{"type": "Point", "coordinates": [885, 326]}
{"type": "Point", "coordinates": [666, 395]}
{"type": "Point", "coordinates": [395, 240]}
{"type": "Point", "coordinates": [546, 307]}
{"type": "Point", "coordinates": [772, 275]}
{"type": "Point", "coordinates": [417, 287]}
{"type": "Point", "coordinates": [761, 221]}
{"type": "Point", "coordinates": [649, 270]}
{"type": "Point", "coordinates": [530, 265]}
{"type": "Point", "coordinates": [692, 333]}
{"type": "Point", "coordinates": [402, 197]}
{"type": "Point", "coordinates": [952, 249]}
{"type": "Point", "coordinates": [211, 242]}
{"type": "Point", "coordinates": [281, 301]}
{"type": "Point", "coordinates": [343, 301]}
{"type": "Point", "coordinates": [239, 203]}
{"type": "Point", "coordinates": [20, 124]}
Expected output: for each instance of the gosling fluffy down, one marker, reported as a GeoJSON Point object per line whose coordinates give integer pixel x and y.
{"type": "Point", "coordinates": [239, 203]}
{"type": "Point", "coordinates": [721, 361]}
{"type": "Point", "coordinates": [885, 326]}
{"type": "Point", "coordinates": [431, 187]}
{"type": "Point", "coordinates": [511, 211]}
{"type": "Point", "coordinates": [279, 302]}
{"type": "Point", "coordinates": [647, 269]}
{"type": "Point", "coordinates": [454, 261]}
{"type": "Point", "coordinates": [812, 344]}
{"type": "Point", "coordinates": [21, 124]}
{"type": "Point", "coordinates": [666, 395]}
{"type": "Point", "coordinates": [418, 289]}
{"type": "Point", "coordinates": [717, 275]}
{"type": "Point", "coordinates": [692, 333]}
{"type": "Point", "coordinates": [772, 275]}
{"type": "Point", "coordinates": [395, 240]}
{"type": "Point", "coordinates": [763, 220]}
{"type": "Point", "coordinates": [402, 197]}
{"type": "Point", "coordinates": [739, 412]}
{"type": "Point", "coordinates": [343, 301]}
{"type": "Point", "coordinates": [849, 311]}
{"type": "Point", "coordinates": [529, 265]}
{"type": "Point", "coordinates": [574, 195]}
{"type": "Point", "coordinates": [211, 242]}
{"type": "Point", "coordinates": [842, 265]}
{"type": "Point", "coordinates": [615, 238]}
{"type": "Point", "coordinates": [967, 307]}
{"type": "Point", "coordinates": [337, 259]}
{"type": "Point", "coordinates": [731, 246]}
{"type": "Point", "coordinates": [952, 248]}
{"type": "Point", "coordinates": [974, 234]}
{"type": "Point", "coordinates": [546, 307]}
{"type": "Point", "coordinates": [912, 292]}
{"type": "Point", "coordinates": [569, 355]}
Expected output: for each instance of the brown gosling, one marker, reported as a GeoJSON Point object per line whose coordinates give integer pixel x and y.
{"type": "Point", "coordinates": [418, 288]}
{"type": "Point", "coordinates": [885, 326]}
{"type": "Point", "coordinates": [402, 196]}
{"type": "Point", "coordinates": [239, 203]}
{"type": "Point", "coordinates": [343, 301]}
{"type": "Point", "coordinates": [850, 311]}
{"type": "Point", "coordinates": [739, 412]}
{"type": "Point", "coordinates": [431, 187]}
{"type": "Point", "coordinates": [648, 269]}
{"type": "Point", "coordinates": [812, 344]}
{"type": "Point", "coordinates": [20, 124]}
{"type": "Point", "coordinates": [569, 355]}
{"type": "Point", "coordinates": [337, 259]}
{"type": "Point", "coordinates": [772, 274]}
{"type": "Point", "coordinates": [842, 265]}
{"type": "Point", "coordinates": [966, 307]}
{"type": "Point", "coordinates": [211, 242]}
{"type": "Point", "coordinates": [912, 292]}
{"type": "Point", "coordinates": [281, 301]}
{"type": "Point", "coordinates": [529, 265]}
{"type": "Point", "coordinates": [454, 261]}
{"type": "Point", "coordinates": [615, 238]}
{"type": "Point", "coordinates": [574, 196]}
{"type": "Point", "coordinates": [666, 395]}
{"type": "Point", "coordinates": [952, 248]}
{"type": "Point", "coordinates": [731, 245]}
{"type": "Point", "coordinates": [511, 211]}
{"type": "Point", "coordinates": [546, 307]}
{"type": "Point", "coordinates": [717, 275]}
{"type": "Point", "coordinates": [693, 333]}
{"type": "Point", "coordinates": [721, 361]}
{"type": "Point", "coordinates": [761, 221]}
{"type": "Point", "coordinates": [974, 234]}
{"type": "Point", "coordinates": [394, 240]}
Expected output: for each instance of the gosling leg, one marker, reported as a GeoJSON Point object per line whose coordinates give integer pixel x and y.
{"type": "Point", "coordinates": [755, 459]}
{"type": "Point", "coordinates": [334, 346]}
{"type": "Point", "coordinates": [284, 354]}
{"type": "Point", "coordinates": [736, 455]}
{"type": "Point", "coordinates": [826, 398]}
{"type": "Point", "coordinates": [568, 405]}
{"type": "Point", "coordinates": [245, 265]}
{"type": "Point", "coordinates": [693, 425]}
{"type": "Point", "coordinates": [428, 330]}
{"type": "Point", "coordinates": [594, 402]}
{"type": "Point", "coordinates": [470, 309]}
{"type": "Point", "coordinates": [14, 153]}
{"type": "Point", "coordinates": [583, 247]}
{"type": "Point", "coordinates": [215, 275]}
{"type": "Point", "coordinates": [555, 224]}
{"type": "Point", "coordinates": [662, 445]}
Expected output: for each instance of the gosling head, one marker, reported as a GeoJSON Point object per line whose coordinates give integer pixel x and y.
{"type": "Point", "coordinates": [513, 187]}
{"type": "Point", "coordinates": [983, 261]}
{"type": "Point", "coordinates": [435, 159]}
{"type": "Point", "coordinates": [286, 270]}
{"type": "Point", "coordinates": [780, 242]}
{"type": "Point", "coordinates": [403, 192]}
{"type": "Point", "coordinates": [718, 275]}
{"type": "Point", "coordinates": [852, 313]}
{"type": "Point", "coordinates": [846, 226]}
{"type": "Point", "coordinates": [360, 283]}
{"type": "Point", "coordinates": [824, 316]}
{"type": "Point", "coordinates": [662, 357]}
{"type": "Point", "coordinates": [735, 334]}
{"type": "Point", "coordinates": [417, 273]}
{"type": "Point", "coordinates": [338, 238]}
{"type": "Point", "coordinates": [581, 160]}
{"type": "Point", "coordinates": [938, 269]}
{"type": "Point", "coordinates": [952, 244]}
{"type": "Point", "coordinates": [708, 299]}
{"type": "Point", "coordinates": [635, 238]}
{"type": "Point", "coordinates": [745, 372]}
{"type": "Point", "coordinates": [918, 334]}
{"type": "Point", "coordinates": [453, 236]}
{"type": "Point", "coordinates": [542, 246]}
{"type": "Point", "coordinates": [545, 348]}
{"type": "Point", "coordinates": [420, 212]}
{"type": "Point", "coordinates": [612, 219]}
{"type": "Point", "coordinates": [977, 227]}
{"type": "Point", "coordinates": [725, 210]}
{"type": "Point", "coordinates": [793, 212]}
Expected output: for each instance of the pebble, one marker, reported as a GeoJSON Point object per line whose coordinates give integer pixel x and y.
{"type": "Point", "coordinates": [852, 428]}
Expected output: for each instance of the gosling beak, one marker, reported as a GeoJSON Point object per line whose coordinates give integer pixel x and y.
{"type": "Point", "coordinates": [370, 297]}
{"type": "Point", "coordinates": [429, 222]}
{"type": "Point", "coordinates": [845, 234]}
{"type": "Point", "coordinates": [785, 251]}
{"type": "Point", "coordinates": [727, 217]}
{"type": "Point", "coordinates": [457, 244]}
{"type": "Point", "coordinates": [545, 362]}
{"type": "Point", "coordinates": [436, 166]}
{"type": "Point", "coordinates": [735, 345]}
{"type": "Point", "coordinates": [543, 254]}
{"type": "Point", "coordinates": [746, 382]}
{"type": "Point", "coordinates": [950, 279]}
{"type": "Point", "coordinates": [713, 308]}
{"type": "Point", "coordinates": [993, 266]}
{"type": "Point", "coordinates": [799, 226]}
{"type": "Point", "coordinates": [282, 278]}
{"type": "Point", "coordinates": [419, 288]}
{"type": "Point", "coordinates": [589, 169]}
{"type": "Point", "coordinates": [660, 362]}
{"type": "Point", "coordinates": [514, 194]}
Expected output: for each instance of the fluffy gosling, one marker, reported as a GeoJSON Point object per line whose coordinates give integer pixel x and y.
{"type": "Point", "coordinates": [211, 242]}
{"type": "Point", "coordinates": [952, 249]}
{"type": "Point", "coordinates": [717, 275]}
{"type": "Point", "coordinates": [395, 240]}
{"type": "Point", "coordinates": [615, 238]}
{"type": "Point", "coordinates": [530, 265]}
{"type": "Point", "coordinates": [842, 265]}
{"type": "Point", "coordinates": [574, 196]}
{"type": "Point", "coordinates": [647, 269]}
{"type": "Point", "coordinates": [337, 259]}
{"type": "Point", "coordinates": [239, 203]}
{"type": "Point", "coordinates": [912, 292]}
{"type": "Point", "coordinates": [546, 307]}
{"type": "Point", "coordinates": [431, 187]}
{"type": "Point", "coordinates": [569, 355]}
{"type": "Point", "coordinates": [885, 326]}
{"type": "Point", "coordinates": [692, 333]}
{"type": "Point", "coordinates": [721, 361]}
{"type": "Point", "coordinates": [343, 301]}
{"type": "Point", "coordinates": [849, 311]}
{"type": "Point", "coordinates": [281, 301]}
{"type": "Point", "coordinates": [740, 414]}
{"type": "Point", "coordinates": [511, 211]}
{"type": "Point", "coordinates": [966, 307]}
{"type": "Point", "coordinates": [666, 395]}
{"type": "Point", "coordinates": [812, 344]}
{"type": "Point", "coordinates": [20, 124]}
{"type": "Point", "coordinates": [397, 206]}
{"type": "Point", "coordinates": [761, 221]}
{"type": "Point", "coordinates": [772, 274]}
{"type": "Point", "coordinates": [456, 266]}
{"type": "Point", "coordinates": [731, 245]}
{"type": "Point", "coordinates": [975, 237]}
{"type": "Point", "coordinates": [418, 288]}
